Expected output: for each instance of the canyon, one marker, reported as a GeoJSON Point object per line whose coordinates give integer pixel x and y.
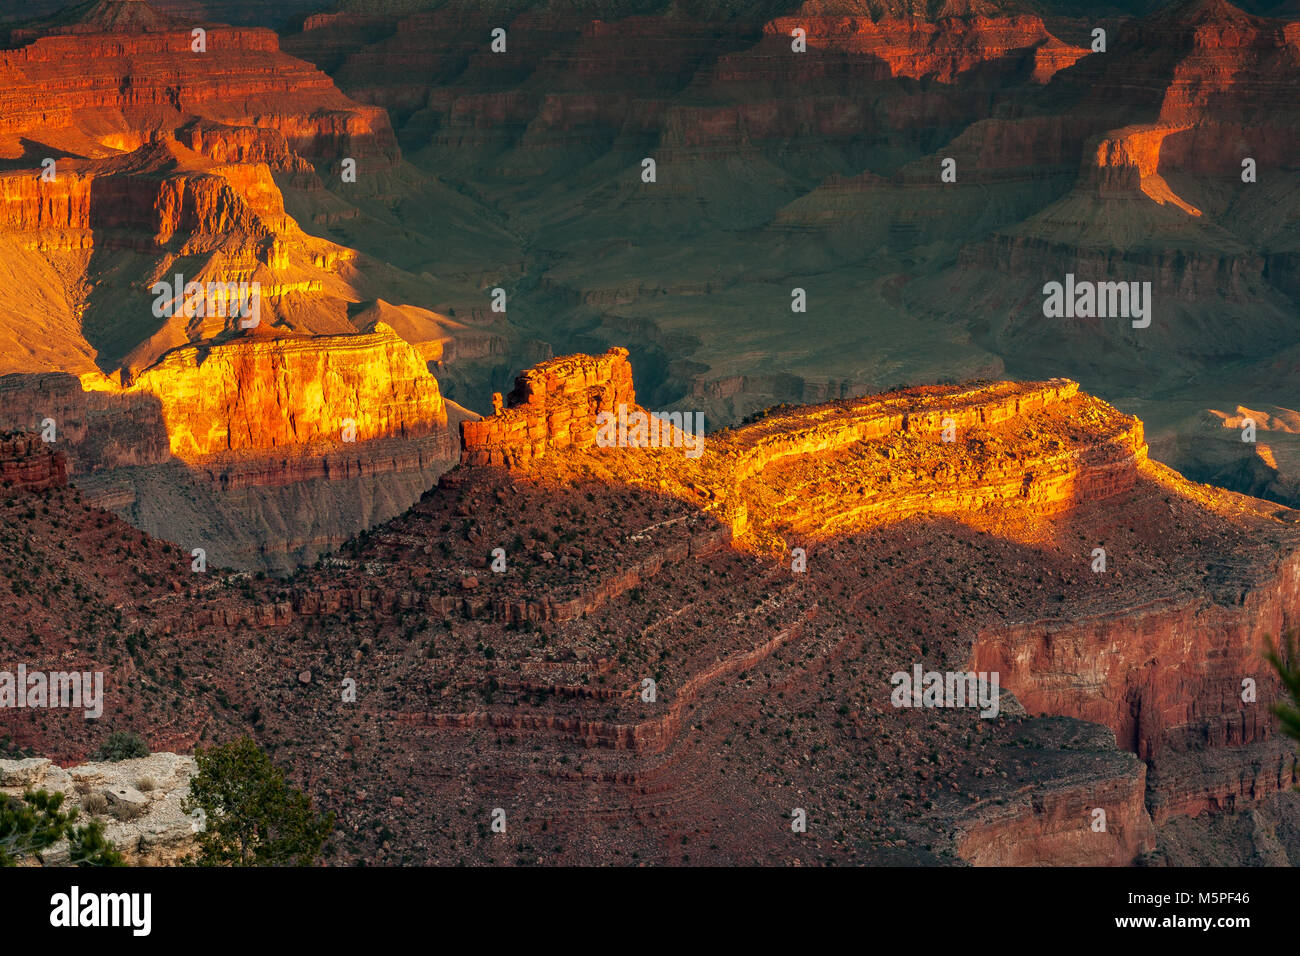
{"type": "Point", "coordinates": [821, 171]}
{"type": "Point", "coordinates": [816, 171]}
{"type": "Point", "coordinates": [524, 688]}
{"type": "Point", "coordinates": [358, 531]}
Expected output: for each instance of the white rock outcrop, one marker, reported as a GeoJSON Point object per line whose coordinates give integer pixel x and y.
{"type": "Point", "coordinates": [140, 805]}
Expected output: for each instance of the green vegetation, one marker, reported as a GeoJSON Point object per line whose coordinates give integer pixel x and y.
{"type": "Point", "coordinates": [251, 816]}
{"type": "Point", "coordinates": [37, 822]}
{"type": "Point", "coordinates": [11, 751]}
{"type": "Point", "coordinates": [121, 745]}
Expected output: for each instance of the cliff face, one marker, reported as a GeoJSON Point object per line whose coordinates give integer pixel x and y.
{"type": "Point", "coordinates": [1129, 161]}
{"type": "Point", "coordinates": [622, 75]}
{"type": "Point", "coordinates": [27, 204]}
{"type": "Point", "coordinates": [249, 398]}
{"type": "Point", "coordinates": [98, 426]}
{"type": "Point", "coordinates": [916, 471]}
{"type": "Point", "coordinates": [1160, 193]}
{"type": "Point", "coordinates": [1180, 679]}
{"type": "Point", "coordinates": [165, 162]}
{"type": "Point", "coordinates": [1164, 676]}
{"type": "Point", "coordinates": [260, 396]}
{"type": "Point", "coordinates": [1029, 829]}
{"type": "Point", "coordinates": [188, 212]}
{"type": "Point", "coordinates": [915, 476]}
{"type": "Point", "coordinates": [265, 451]}
{"type": "Point", "coordinates": [140, 80]}
{"type": "Point", "coordinates": [159, 210]}
{"type": "Point", "coordinates": [940, 50]}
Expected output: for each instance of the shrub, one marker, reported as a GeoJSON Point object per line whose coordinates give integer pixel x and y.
{"type": "Point", "coordinates": [95, 803]}
{"type": "Point", "coordinates": [10, 751]}
{"type": "Point", "coordinates": [87, 846]}
{"type": "Point", "coordinates": [127, 811]}
{"type": "Point", "coordinates": [121, 745]}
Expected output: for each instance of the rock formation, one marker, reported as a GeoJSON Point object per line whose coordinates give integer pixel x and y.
{"type": "Point", "coordinates": [250, 448]}
{"type": "Point", "coordinates": [239, 79]}
{"type": "Point", "coordinates": [263, 395]}
{"type": "Point", "coordinates": [29, 464]}
{"type": "Point", "coordinates": [942, 49]}
{"type": "Point", "coordinates": [553, 406]}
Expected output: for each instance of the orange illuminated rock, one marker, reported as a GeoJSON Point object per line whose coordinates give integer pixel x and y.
{"type": "Point", "coordinates": [262, 394]}
{"type": "Point", "coordinates": [834, 468]}
{"type": "Point", "coordinates": [99, 85]}
{"type": "Point", "coordinates": [553, 406]}
{"type": "Point", "coordinates": [940, 49]}
{"type": "Point", "coordinates": [1128, 160]}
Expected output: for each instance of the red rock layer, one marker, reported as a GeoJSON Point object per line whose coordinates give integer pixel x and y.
{"type": "Point", "coordinates": [27, 204]}
{"type": "Point", "coordinates": [254, 412]}
{"type": "Point", "coordinates": [145, 205]}
{"type": "Point", "coordinates": [653, 736]}
{"type": "Point", "coordinates": [1167, 676]}
{"type": "Point", "coordinates": [590, 80]}
{"type": "Point", "coordinates": [409, 453]}
{"type": "Point", "coordinates": [388, 602]}
{"type": "Point", "coordinates": [1052, 826]}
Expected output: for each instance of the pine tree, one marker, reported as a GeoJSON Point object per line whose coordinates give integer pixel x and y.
{"type": "Point", "coordinates": [250, 815]}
